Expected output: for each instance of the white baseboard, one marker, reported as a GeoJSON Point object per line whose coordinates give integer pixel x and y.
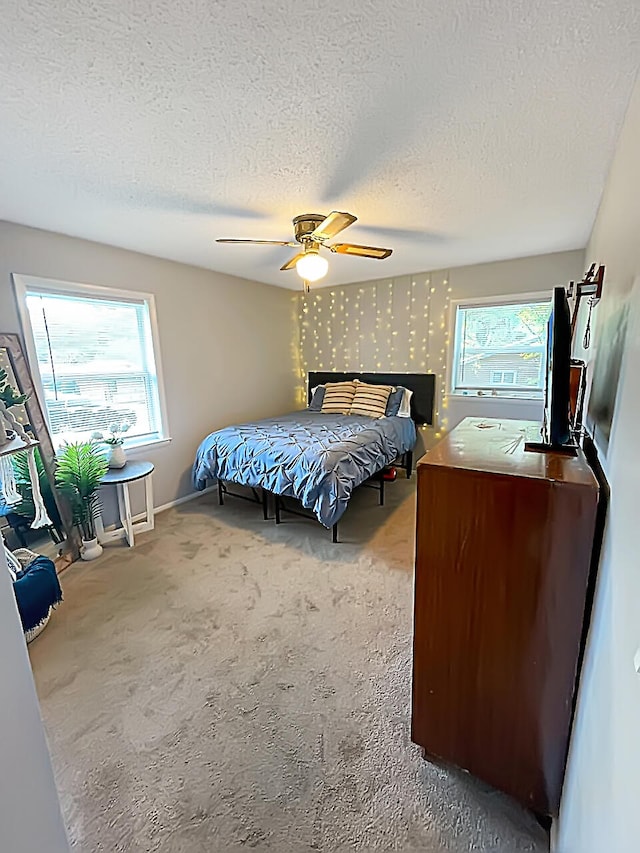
{"type": "Point", "coordinates": [183, 500]}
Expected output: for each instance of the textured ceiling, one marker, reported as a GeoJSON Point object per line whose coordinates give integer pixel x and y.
{"type": "Point", "coordinates": [457, 132]}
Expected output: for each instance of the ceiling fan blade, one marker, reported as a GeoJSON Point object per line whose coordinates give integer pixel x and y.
{"type": "Point", "coordinates": [258, 242]}
{"type": "Point", "coordinates": [292, 261]}
{"type": "Point", "coordinates": [334, 223]}
{"type": "Point", "coordinates": [361, 251]}
{"type": "Point", "coordinates": [390, 233]}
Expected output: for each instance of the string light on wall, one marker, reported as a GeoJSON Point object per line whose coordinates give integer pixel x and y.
{"type": "Point", "coordinates": [413, 320]}
{"type": "Point", "coordinates": [366, 300]}
{"type": "Point", "coordinates": [355, 354]}
{"type": "Point", "coordinates": [358, 318]}
{"type": "Point", "coordinates": [331, 333]}
{"type": "Point", "coordinates": [395, 325]}
{"type": "Point", "coordinates": [376, 327]}
{"type": "Point", "coordinates": [390, 332]}
{"type": "Point", "coordinates": [304, 360]}
{"type": "Point", "coordinates": [319, 336]}
{"type": "Point", "coordinates": [301, 349]}
{"type": "Point", "coordinates": [425, 321]}
{"type": "Point", "coordinates": [442, 422]}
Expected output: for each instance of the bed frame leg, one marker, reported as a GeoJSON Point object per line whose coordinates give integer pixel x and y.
{"type": "Point", "coordinates": [220, 493]}
{"type": "Point", "coordinates": [334, 533]}
{"type": "Point", "coordinates": [409, 463]}
{"type": "Point", "coordinates": [265, 504]}
{"type": "Point", "coordinates": [382, 489]}
{"type": "Point", "coordinates": [277, 502]}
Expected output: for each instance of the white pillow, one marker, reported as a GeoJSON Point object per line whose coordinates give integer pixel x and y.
{"type": "Point", "coordinates": [405, 404]}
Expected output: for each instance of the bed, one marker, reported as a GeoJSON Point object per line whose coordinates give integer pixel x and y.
{"type": "Point", "coordinates": [316, 458]}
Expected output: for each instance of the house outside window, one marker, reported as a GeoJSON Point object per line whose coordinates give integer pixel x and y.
{"type": "Point", "coordinates": [503, 377]}
{"type": "Point", "coordinates": [95, 358]}
{"type": "Point", "coordinates": [499, 347]}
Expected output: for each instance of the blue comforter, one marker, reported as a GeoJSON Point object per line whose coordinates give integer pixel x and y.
{"type": "Point", "coordinates": [317, 458]}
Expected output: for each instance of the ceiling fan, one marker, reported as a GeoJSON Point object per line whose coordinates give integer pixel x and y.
{"type": "Point", "coordinates": [312, 231]}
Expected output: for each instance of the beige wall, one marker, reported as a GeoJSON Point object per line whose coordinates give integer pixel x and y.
{"type": "Point", "coordinates": [230, 346]}
{"type": "Point", "coordinates": [30, 814]}
{"type": "Point", "coordinates": [402, 325]}
{"type": "Point", "coordinates": [602, 787]}
{"type": "Point", "coordinates": [226, 343]}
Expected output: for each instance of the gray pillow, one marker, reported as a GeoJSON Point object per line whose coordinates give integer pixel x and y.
{"type": "Point", "coordinates": [393, 403]}
{"type": "Point", "coordinates": [316, 399]}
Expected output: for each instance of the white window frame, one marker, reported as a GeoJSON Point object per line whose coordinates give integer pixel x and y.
{"type": "Point", "coordinates": [23, 283]}
{"type": "Point", "coordinates": [484, 301]}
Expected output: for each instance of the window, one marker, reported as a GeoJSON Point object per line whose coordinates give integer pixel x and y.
{"type": "Point", "coordinates": [503, 377]}
{"type": "Point", "coordinates": [97, 359]}
{"type": "Point", "coordinates": [500, 347]}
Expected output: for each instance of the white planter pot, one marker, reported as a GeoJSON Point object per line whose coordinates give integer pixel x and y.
{"type": "Point", "coordinates": [91, 549]}
{"type": "Point", "coordinates": [117, 456]}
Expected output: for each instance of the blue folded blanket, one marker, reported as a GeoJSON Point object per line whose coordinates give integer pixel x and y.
{"type": "Point", "coordinates": [36, 588]}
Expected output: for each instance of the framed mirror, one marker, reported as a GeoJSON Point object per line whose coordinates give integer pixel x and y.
{"type": "Point", "coordinates": [22, 524]}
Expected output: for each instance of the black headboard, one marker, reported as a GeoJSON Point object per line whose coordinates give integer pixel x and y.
{"type": "Point", "coordinates": [423, 386]}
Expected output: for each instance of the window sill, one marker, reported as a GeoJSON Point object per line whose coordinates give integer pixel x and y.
{"type": "Point", "coordinates": [151, 444]}
{"type": "Point", "coordinates": [498, 398]}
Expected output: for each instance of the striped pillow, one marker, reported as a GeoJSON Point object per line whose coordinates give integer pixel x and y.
{"type": "Point", "coordinates": [338, 397]}
{"type": "Point", "coordinates": [370, 400]}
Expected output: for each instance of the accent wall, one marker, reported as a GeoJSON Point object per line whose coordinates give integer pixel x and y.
{"type": "Point", "coordinates": [402, 325]}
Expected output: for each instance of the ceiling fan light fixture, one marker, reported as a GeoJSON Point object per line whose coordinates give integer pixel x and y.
{"type": "Point", "coordinates": [312, 266]}
{"type": "Point", "coordinates": [312, 231]}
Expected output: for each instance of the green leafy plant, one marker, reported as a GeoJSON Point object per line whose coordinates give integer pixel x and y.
{"type": "Point", "coordinates": [116, 437]}
{"type": "Point", "coordinates": [8, 394]}
{"type": "Point", "coordinates": [81, 467]}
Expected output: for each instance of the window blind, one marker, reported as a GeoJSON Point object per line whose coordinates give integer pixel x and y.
{"type": "Point", "coordinates": [97, 365]}
{"type": "Point", "coordinates": [501, 348]}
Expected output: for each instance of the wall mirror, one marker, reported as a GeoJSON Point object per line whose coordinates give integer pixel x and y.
{"type": "Point", "coordinates": [32, 513]}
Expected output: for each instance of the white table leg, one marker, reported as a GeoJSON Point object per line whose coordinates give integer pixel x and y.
{"type": "Point", "coordinates": [127, 509]}
{"type": "Point", "coordinates": [124, 507]}
{"type": "Point", "coordinates": [100, 527]}
{"type": "Point", "coordinates": [148, 495]}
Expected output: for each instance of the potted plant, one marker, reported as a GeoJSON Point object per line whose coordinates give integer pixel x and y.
{"type": "Point", "coordinates": [117, 457]}
{"type": "Point", "coordinates": [80, 468]}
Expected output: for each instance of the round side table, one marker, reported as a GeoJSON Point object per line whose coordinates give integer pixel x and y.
{"type": "Point", "coordinates": [121, 478]}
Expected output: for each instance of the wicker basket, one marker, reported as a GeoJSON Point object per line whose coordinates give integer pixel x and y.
{"type": "Point", "coordinates": [24, 557]}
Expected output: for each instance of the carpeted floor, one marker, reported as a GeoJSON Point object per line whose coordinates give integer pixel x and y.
{"type": "Point", "coordinates": [229, 684]}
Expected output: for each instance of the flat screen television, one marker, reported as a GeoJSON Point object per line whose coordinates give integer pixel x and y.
{"type": "Point", "coordinates": [557, 394]}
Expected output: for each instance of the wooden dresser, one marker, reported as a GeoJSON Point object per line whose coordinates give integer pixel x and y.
{"type": "Point", "coordinates": [504, 540]}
